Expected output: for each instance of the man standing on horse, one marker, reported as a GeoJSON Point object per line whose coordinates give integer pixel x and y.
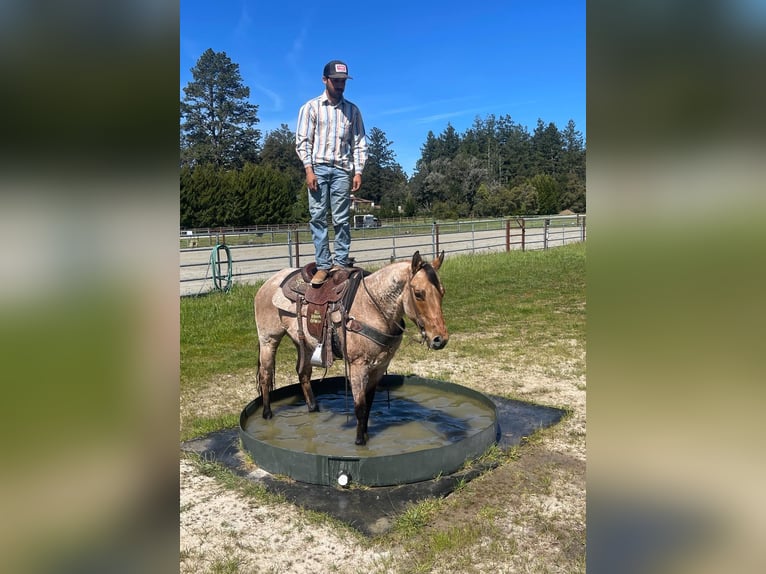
{"type": "Point", "coordinates": [331, 143]}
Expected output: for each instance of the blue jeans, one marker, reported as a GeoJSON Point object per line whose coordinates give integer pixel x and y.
{"type": "Point", "coordinates": [334, 193]}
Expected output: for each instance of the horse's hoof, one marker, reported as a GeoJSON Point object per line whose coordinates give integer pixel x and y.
{"type": "Point", "coordinates": [267, 414]}
{"type": "Point", "coordinates": [360, 442]}
{"type": "Point", "coordinates": [314, 408]}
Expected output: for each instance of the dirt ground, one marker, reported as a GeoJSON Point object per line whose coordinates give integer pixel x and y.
{"type": "Point", "coordinates": [528, 515]}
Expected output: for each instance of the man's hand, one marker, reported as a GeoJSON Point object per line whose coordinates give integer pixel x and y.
{"type": "Point", "coordinates": [311, 179]}
{"type": "Point", "coordinates": [357, 182]}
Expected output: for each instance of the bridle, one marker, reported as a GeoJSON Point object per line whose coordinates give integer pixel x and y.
{"type": "Point", "coordinates": [418, 319]}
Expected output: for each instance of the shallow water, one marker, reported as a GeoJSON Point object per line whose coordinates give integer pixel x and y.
{"type": "Point", "coordinates": [403, 419]}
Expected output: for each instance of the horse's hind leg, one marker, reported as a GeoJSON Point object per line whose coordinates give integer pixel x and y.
{"type": "Point", "coordinates": [266, 364]}
{"type": "Point", "coordinates": [303, 368]}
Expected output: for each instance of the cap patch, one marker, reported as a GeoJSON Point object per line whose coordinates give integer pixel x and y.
{"type": "Point", "coordinates": [341, 69]}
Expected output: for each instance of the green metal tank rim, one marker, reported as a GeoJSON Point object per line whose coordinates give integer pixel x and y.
{"type": "Point", "coordinates": [381, 470]}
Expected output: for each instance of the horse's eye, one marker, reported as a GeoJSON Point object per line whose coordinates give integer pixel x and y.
{"type": "Point", "coordinates": [420, 295]}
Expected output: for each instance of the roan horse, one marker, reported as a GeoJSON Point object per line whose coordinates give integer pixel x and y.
{"type": "Point", "coordinates": [410, 288]}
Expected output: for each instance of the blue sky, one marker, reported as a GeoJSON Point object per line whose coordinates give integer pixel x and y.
{"type": "Point", "coordinates": [416, 65]}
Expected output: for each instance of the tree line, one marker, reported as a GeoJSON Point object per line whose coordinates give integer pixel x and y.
{"type": "Point", "coordinates": [496, 168]}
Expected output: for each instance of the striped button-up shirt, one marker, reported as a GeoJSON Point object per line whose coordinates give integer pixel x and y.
{"type": "Point", "coordinates": [331, 135]}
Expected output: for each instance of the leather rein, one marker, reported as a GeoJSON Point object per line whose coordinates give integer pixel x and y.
{"type": "Point", "coordinates": [418, 320]}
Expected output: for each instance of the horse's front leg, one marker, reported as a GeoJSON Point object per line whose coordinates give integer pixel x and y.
{"type": "Point", "coordinates": [364, 393]}
{"type": "Point", "coordinates": [369, 397]}
{"type": "Point", "coordinates": [360, 409]}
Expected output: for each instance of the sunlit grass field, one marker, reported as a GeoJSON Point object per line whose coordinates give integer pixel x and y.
{"type": "Point", "coordinates": [533, 300]}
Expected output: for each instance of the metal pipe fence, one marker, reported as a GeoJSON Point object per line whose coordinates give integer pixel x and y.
{"type": "Point", "coordinates": [258, 252]}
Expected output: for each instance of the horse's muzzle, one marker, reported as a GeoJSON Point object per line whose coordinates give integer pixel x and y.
{"type": "Point", "coordinates": [438, 343]}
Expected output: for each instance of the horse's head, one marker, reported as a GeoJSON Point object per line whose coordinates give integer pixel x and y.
{"type": "Point", "coordinates": [423, 301]}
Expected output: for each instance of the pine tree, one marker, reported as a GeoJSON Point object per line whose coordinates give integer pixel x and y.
{"type": "Point", "coordinates": [217, 120]}
{"type": "Point", "coordinates": [383, 176]}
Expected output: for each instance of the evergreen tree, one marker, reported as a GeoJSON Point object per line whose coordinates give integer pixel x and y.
{"type": "Point", "coordinates": [481, 142]}
{"type": "Point", "coordinates": [383, 177]}
{"type": "Point", "coordinates": [525, 200]}
{"type": "Point", "coordinates": [209, 185]}
{"type": "Point", "coordinates": [217, 121]}
{"type": "Point", "coordinates": [573, 195]}
{"type": "Point", "coordinates": [410, 207]}
{"type": "Point", "coordinates": [548, 194]}
{"type": "Point", "coordinates": [428, 151]}
{"type": "Point", "coordinates": [448, 143]}
{"type": "Point", "coordinates": [497, 168]}
{"type": "Point", "coordinates": [494, 200]}
{"type": "Point", "coordinates": [573, 151]}
{"type": "Point", "coordinates": [268, 193]}
{"type": "Point", "coordinates": [279, 153]}
{"type": "Point", "coordinates": [515, 152]}
{"type": "Point", "coordinates": [547, 149]}
{"type": "Point", "coordinates": [188, 207]}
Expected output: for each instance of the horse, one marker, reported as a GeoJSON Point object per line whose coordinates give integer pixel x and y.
{"type": "Point", "coordinates": [373, 333]}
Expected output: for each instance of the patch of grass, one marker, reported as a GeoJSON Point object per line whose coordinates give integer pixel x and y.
{"type": "Point", "coordinates": [498, 288]}
{"type": "Point", "coordinates": [196, 427]}
{"type": "Point", "coordinates": [228, 565]}
{"type": "Point", "coordinates": [488, 513]}
{"type": "Point", "coordinates": [493, 455]}
{"type": "Point", "coordinates": [412, 520]}
{"type": "Point", "coordinates": [452, 545]}
{"type": "Point", "coordinates": [528, 306]}
{"type": "Point", "coordinates": [460, 485]}
{"type": "Point", "coordinates": [452, 539]}
{"type": "Point", "coordinates": [218, 334]}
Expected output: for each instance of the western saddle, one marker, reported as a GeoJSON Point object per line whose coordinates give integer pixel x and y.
{"type": "Point", "coordinates": [326, 309]}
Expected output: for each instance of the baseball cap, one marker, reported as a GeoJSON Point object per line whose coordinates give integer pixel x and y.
{"type": "Point", "coordinates": [336, 69]}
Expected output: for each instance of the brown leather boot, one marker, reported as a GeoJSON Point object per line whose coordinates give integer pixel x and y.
{"type": "Point", "coordinates": [319, 277]}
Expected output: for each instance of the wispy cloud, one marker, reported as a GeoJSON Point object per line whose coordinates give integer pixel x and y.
{"type": "Point", "coordinates": [294, 55]}
{"type": "Point", "coordinates": [297, 48]}
{"type": "Point", "coordinates": [445, 115]}
{"type": "Point", "coordinates": [404, 110]}
{"type": "Point", "coordinates": [242, 29]}
{"type": "Point", "coordinates": [277, 103]}
{"type": "Point", "coordinates": [428, 106]}
{"type": "Point", "coordinates": [476, 111]}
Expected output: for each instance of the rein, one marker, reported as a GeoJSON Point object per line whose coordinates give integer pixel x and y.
{"type": "Point", "coordinates": [400, 325]}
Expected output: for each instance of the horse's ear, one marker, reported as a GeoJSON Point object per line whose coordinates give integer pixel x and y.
{"type": "Point", "coordinates": [417, 262]}
{"type": "Point", "coordinates": [436, 263]}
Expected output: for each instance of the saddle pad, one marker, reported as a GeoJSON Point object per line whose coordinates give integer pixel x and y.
{"type": "Point", "coordinates": [281, 302]}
